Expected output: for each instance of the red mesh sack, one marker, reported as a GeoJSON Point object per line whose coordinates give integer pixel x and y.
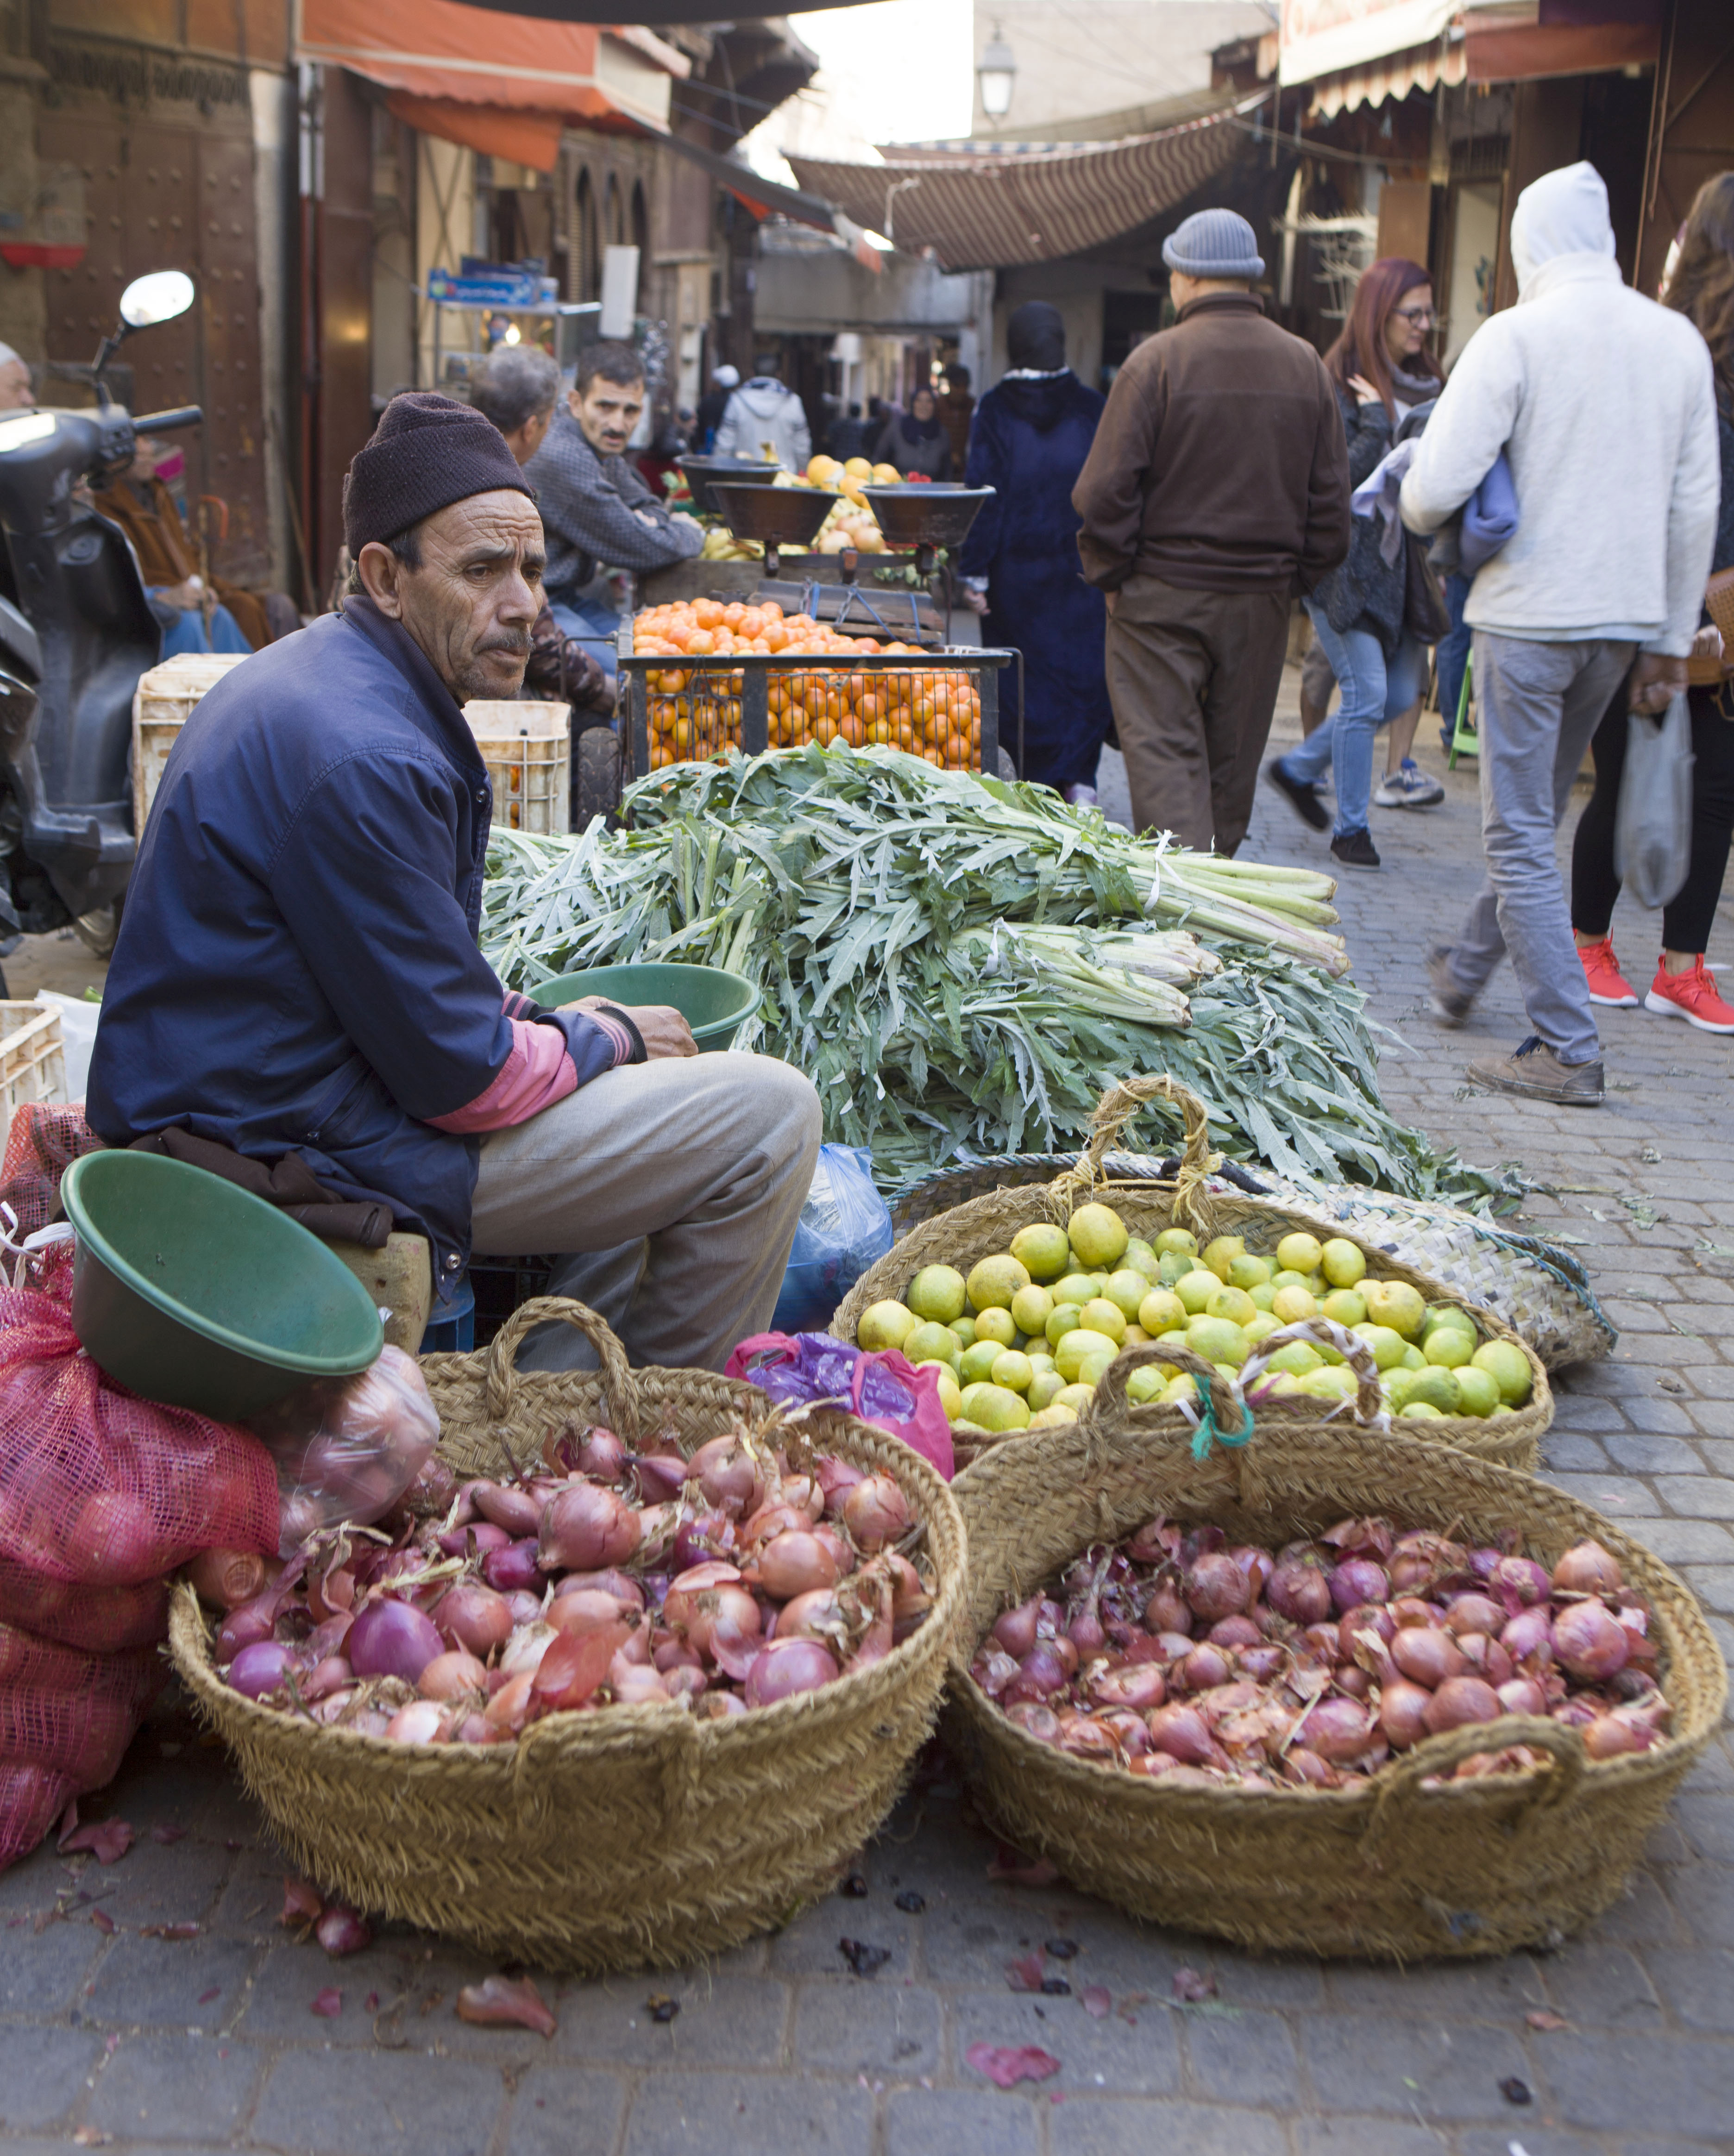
{"type": "Point", "coordinates": [72, 1713]}
{"type": "Point", "coordinates": [100, 1618]}
{"type": "Point", "coordinates": [101, 1488]}
{"type": "Point", "coordinates": [32, 1798]}
{"type": "Point", "coordinates": [41, 1144]}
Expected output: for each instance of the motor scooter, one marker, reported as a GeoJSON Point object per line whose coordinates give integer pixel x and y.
{"type": "Point", "coordinates": [76, 632]}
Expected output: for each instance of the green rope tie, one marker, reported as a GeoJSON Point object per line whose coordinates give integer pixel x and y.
{"type": "Point", "coordinates": [1208, 1433]}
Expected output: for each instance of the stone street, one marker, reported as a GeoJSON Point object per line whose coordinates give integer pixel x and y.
{"type": "Point", "coordinates": [111, 2036]}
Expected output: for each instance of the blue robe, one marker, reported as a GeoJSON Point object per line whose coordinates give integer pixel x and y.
{"type": "Point", "coordinates": [1029, 441]}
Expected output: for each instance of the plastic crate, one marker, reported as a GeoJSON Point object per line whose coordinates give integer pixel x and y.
{"type": "Point", "coordinates": [163, 702]}
{"type": "Point", "coordinates": [528, 749]}
{"type": "Point", "coordinates": [32, 1059]}
{"type": "Point", "coordinates": [498, 1285]}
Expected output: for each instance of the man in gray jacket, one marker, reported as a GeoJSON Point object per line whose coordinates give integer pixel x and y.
{"type": "Point", "coordinates": [1603, 403]}
{"type": "Point", "coordinates": [764, 414]}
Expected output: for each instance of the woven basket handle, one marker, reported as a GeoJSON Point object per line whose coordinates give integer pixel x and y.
{"type": "Point", "coordinates": [618, 1388]}
{"type": "Point", "coordinates": [1116, 1110]}
{"type": "Point", "coordinates": [1399, 1784]}
{"type": "Point", "coordinates": [1369, 1410]}
{"type": "Point", "coordinates": [1110, 1402]}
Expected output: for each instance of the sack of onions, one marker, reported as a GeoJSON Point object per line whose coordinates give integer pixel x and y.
{"type": "Point", "coordinates": [1331, 1689]}
{"type": "Point", "coordinates": [626, 1707]}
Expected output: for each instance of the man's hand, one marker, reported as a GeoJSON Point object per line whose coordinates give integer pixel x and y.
{"type": "Point", "coordinates": [683, 522]}
{"type": "Point", "coordinates": [662, 1029]}
{"type": "Point", "coordinates": [1656, 680]}
{"type": "Point", "coordinates": [1707, 644]}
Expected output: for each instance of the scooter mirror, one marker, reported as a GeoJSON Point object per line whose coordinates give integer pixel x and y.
{"type": "Point", "coordinates": [158, 298]}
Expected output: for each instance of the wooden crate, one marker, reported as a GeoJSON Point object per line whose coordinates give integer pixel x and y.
{"type": "Point", "coordinates": [32, 1059]}
{"type": "Point", "coordinates": [163, 702]}
{"type": "Point", "coordinates": [528, 749]}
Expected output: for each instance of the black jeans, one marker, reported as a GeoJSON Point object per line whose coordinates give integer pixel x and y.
{"type": "Point", "coordinates": [1686, 920]}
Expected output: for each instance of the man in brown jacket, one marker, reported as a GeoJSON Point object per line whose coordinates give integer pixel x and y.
{"type": "Point", "coordinates": [1219, 481]}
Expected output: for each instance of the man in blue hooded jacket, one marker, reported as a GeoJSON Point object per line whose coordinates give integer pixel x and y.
{"type": "Point", "coordinates": [297, 970]}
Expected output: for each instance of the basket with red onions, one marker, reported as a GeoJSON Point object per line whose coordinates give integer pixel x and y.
{"type": "Point", "coordinates": [1335, 1690]}
{"type": "Point", "coordinates": [628, 1706]}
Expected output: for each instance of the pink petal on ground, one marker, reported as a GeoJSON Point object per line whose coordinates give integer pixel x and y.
{"type": "Point", "coordinates": [1190, 1987]}
{"type": "Point", "coordinates": [498, 1999]}
{"type": "Point", "coordinates": [107, 1839]}
{"type": "Point", "coordinates": [206, 1997]}
{"type": "Point", "coordinates": [1097, 2001]}
{"type": "Point", "coordinates": [1009, 1867]}
{"type": "Point", "coordinates": [327, 2003]}
{"type": "Point", "coordinates": [1025, 1975]}
{"type": "Point", "coordinates": [302, 1904]}
{"type": "Point", "coordinates": [103, 1921]}
{"type": "Point", "coordinates": [168, 1834]}
{"type": "Point", "coordinates": [1006, 2064]}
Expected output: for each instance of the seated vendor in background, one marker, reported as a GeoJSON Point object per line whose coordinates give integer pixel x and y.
{"type": "Point", "coordinates": [597, 511]}
{"type": "Point", "coordinates": [297, 970]}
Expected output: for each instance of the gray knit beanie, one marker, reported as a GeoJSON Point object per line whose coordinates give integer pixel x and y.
{"type": "Point", "coordinates": [1214, 243]}
{"type": "Point", "coordinates": [427, 452]}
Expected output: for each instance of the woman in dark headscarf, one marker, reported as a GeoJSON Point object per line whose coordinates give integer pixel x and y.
{"type": "Point", "coordinates": [1031, 432]}
{"type": "Point", "coordinates": [916, 440]}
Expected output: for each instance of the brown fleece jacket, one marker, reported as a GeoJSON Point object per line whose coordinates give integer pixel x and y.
{"type": "Point", "coordinates": [1220, 463]}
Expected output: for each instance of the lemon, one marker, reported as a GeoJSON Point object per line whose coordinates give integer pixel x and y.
{"type": "Point", "coordinates": [1300, 1253]}
{"type": "Point", "coordinates": [1447, 1313]}
{"type": "Point", "coordinates": [1097, 1234]}
{"type": "Point", "coordinates": [1420, 1411]}
{"type": "Point", "coordinates": [1218, 1341]}
{"type": "Point", "coordinates": [1043, 1250]}
{"type": "Point", "coordinates": [975, 1363]}
{"type": "Point", "coordinates": [884, 1325]}
{"type": "Point", "coordinates": [1342, 1263]}
{"type": "Point", "coordinates": [1182, 1386]}
{"type": "Point", "coordinates": [1176, 1242]}
{"type": "Point", "coordinates": [932, 1343]}
{"type": "Point", "coordinates": [1508, 1366]}
{"type": "Point", "coordinates": [1233, 1303]}
{"type": "Point", "coordinates": [1447, 1347]}
{"type": "Point", "coordinates": [1146, 1384]}
{"type": "Point", "coordinates": [1141, 1257]}
{"type": "Point", "coordinates": [1260, 1326]}
{"type": "Point", "coordinates": [1075, 1287]}
{"type": "Point", "coordinates": [1249, 1272]}
{"type": "Point", "coordinates": [995, 1324]}
{"type": "Point", "coordinates": [1387, 1346]}
{"type": "Point", "coordinates": [1053, 1416]}
{"type": "Point", "coordinates": [1078, 1397]}
{"type": "Point", "coordinates": [1126, 1290]}
{"type": "Point", "coordinates": [1091, 1369]}
{"type": "Point", "coordinates": [937, 1292]}
{"type": "Point", "coordinates": [1175, 1336]}
{"type": "Point", "coordinates": [1064, 1320]}
{"type": "Point", "coordinates": [1438, 1387]}
{"type": "Point", "coordinates": [1136, 1336]}
{"type": "Point", "coordinates": [1395, 1386]}
{"type": "Point", "coordinates": [1040, 1359]}
{"type": "Point", "coordinates": [1160, 1309]}
{"type": "Point", "coordinates": [1100, 1315]}
{"type": "Point", "coordinates": [1045, 1388]}
{"type": "Point", "coordinates": [1174, 1264]}
{"type": "Point", "coordinates": [1338, 1384]}
{"type": "Point", "coordinates": [965, 1328]}
{"type": "Point", "coordinates": [1290, 1305]}
{"type": "Point", "coordinates": [1413, 1358]}
{"type": "Point", "coordinates": [1032, 1307]}
{"type": "Point", "coordinates": [1478, 1390]}
{"type": "Point", "coordinates": [1068, 1356]}
{"type": "Point", "coordinates": [1195, 1290]}
{"type": "Point", "coordinates": [1221, 1253]}
{"type": "Point", "coordinates": [1288, 1278]}
{"type": "Point", "coordinates": [996, 1409]}
{"type": "Point", "coordinates": [1265, 1297]}
{"type": "Point", "coordinates": [1282, 1386]}
{"type": "Point", "coordinates": [1397, 1304]}
{"type": "Point", "coordinates": [1012, 1370]}
{"type": "Point", "coordinates": [1343, 1307]}
{"type": "Point", "coordinates": [992, 1284]}
{"type": "Point", "coordinates": [950, 1397]}
{"type": "Point", "coordinates": [1295, 1358]}
{"type": "Point", "coordinates": [963, 1427]}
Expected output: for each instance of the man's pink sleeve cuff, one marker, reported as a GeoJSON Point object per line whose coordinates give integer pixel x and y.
{"type": "Point", "coordinates": [538, 1071]}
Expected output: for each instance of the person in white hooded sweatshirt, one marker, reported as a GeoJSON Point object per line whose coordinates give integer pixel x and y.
{"type": "Point", "coordinates": [1602, 402]}
{"type": "Point", "coordinates": [762, 412]}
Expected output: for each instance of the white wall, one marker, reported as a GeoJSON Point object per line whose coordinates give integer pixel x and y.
{"type": "Point", "coordinates": [1075, 58]}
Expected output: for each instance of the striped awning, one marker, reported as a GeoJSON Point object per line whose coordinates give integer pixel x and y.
{"type": "Point", "coordinates": [988, 208]}
{"type": "Point", "coordinates": [1423, 67]}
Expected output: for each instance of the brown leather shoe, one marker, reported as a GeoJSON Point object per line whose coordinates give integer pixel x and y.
{"type": "Point", "coordinates": [1535, 1072]}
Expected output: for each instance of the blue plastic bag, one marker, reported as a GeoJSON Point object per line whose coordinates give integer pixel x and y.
{"type": "Point", "coordinates": [844, 1227]}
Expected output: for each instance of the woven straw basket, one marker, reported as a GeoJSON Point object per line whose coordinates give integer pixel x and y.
{"type": "Point", "coordinates": [987, 1224]}
{"type": "Point", "coordinates": [625, 1836]}
{"type": "Point", "coordinates": [1386, 1868]}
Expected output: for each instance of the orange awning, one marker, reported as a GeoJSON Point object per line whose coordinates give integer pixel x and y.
{"type": "Point", "coordinates": [504, 84]}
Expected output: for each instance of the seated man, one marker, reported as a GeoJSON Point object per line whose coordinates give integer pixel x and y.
{"type": "Point", "coordinates": [597, 511]}
{"type": "Point", "coordinates": [297, 972]}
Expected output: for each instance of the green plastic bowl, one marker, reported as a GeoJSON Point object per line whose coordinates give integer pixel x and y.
{"type": "Point", "coordinates": [714, 1004]}
{"type": "Point", "coordinates": [190, 1291]}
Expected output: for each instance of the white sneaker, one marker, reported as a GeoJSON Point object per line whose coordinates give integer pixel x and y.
{"type": "Point", "coordinates": [1408, 787]}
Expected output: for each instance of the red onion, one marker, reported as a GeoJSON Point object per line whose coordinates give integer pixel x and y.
{"type": "Point", "coordinates": [1358, 1580]}
{"type": "Point", "coordinates": [1486, 1658]}
{"type": "Point", "coordinates": [1522, 1579]}
{"type": "Point", "coordinates": [1589, 1642]}
{"type": "Point", "coordinates": [621, 1585]}
{"type": "Point", "coordinates": [1216, 1586]}
{"type": "Point", "coordinates": [260, 1668]}
{"type": "Point", "coordinates": [588, 1610]}
{"type": "Point", "coordinates": [1299, 1592]}
{"type": "Point", "coordinates": [482, 1537]}
{"type": "Point", "coordinates": [585, 1527]}
{"type": "Point", "coordinates": [1608, 1737]}
{"type": "Point", "coordinates": [993, 1672]}
{"type": "Point", "coordinates": [340, 1932]}
{"type": "Point", "coordinates": [574, 1668]}
{"type": "Point", "coordinates": [1087, 1740]}
{"type": "Point", "coordinates": [1040, 1673]}
{"type": "Point", "coordinates": [245, 1627]}
{"type": "Point", "coordinates": [1166, 1610]}
{"type": "Point", "coordinates": [474, 1618]}
{"type": "Point", "coordinates": [1528, 1637]}
{"type": "Point", "coordinates": [813, 1615]}
{"type": "Point", "coordinates": [1261, 1663]}
{"type": "Point", "coordinates": [1173, 1646]}
{"type": "Point", "coordinates": [1521, 1695]}
{"type": "Point", "coordinates": [1427, 1656]}
{"type": "Point", "coordinates": [1307, 1768]}
{"type": "Point", "coordinates": [1402, 1713]}
{"type": "Point", "coordinates": [635, 1684]}
{"type": "Point", "coordinates": [515, 1511]}
{"type": "Point", "coordinates": [418, 1723]}
{"type": "Point", "coordinates": [661, 1476]}
{"type": "Point", "coordinates": [326, 1677]}
{"type": "Point", "coordinates": [1357, 1682]}
{"type": "Point", "coordinates": [388, 1639]}
{"type": "Point", "coordinates": [786, 1667]}
{"type": "Point", "coordinates": [1182, 1733]}
{"type": "Point", "coordinates": [227, 1578]}
{"type": "Point", "coordinates": [1587, 1568]}
{"type": "Point", "coordinates": [796, 1562]}
{"type": "Point", "coordinates": [837, 1479]}
{"type": "Point", "coordinates": [1258, 1565]}
{"type": "Point", "coordinates": [1476, 1613]}
{"type": "Point", "coordinates": [1150, 1764]}
{"type": "Point", "coordinates": [728, 1474]}
{"type": "Point", "coordinates": [876, 1512]}
{"type": "Point", "coordinates": [1128, 1729]}
{"type": "Point", "coordinates": [1086, 1634]}
{"type": "Point", "coordinates": [114, 1540]}
{"type": "Point", "coordinates": [1411, 1610]}
{"type": "Point", "coordinates": [601, 1454]}
{"type": "Point", "coordinates": [1369, 1538]}
{"type": "Point", "coordinates": [1035, 1719]}
{"type": "Point", "coordinates": [1461, 1700]}
{"type": "Point", "coordinates": [1339, 1730]}
{"type": "Point", "coordinates": [513, 1568]}
{"type": "Point", "coordinates": [1141, 1686]}
{"type": "Point", "coordinates": [1204, 1666]}
{"type": "Point", "coordinates": [525, 1605]}
{"type": "Point", "coordinates": [1365, 1632]}
{"type": "Point", "coordinates": [1325, 1641]}
{"type": "Point", "coordinates": [1234, 1632]}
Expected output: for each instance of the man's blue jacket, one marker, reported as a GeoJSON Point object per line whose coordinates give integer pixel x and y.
{"type": "Point", "coordinates": [297, 968]}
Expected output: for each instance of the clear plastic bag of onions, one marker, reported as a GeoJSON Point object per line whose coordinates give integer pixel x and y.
{"type": "Point", "coordinates": [1177, 1654]}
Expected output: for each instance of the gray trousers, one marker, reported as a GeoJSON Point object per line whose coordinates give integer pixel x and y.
{"type": "Point", "coordinates": [672, 1188]}
{"type": "Point", "coordinates": [1536, 705]}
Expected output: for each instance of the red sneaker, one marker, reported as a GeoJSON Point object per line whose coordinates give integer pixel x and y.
{"type": "Point", "coordinates": [1692, 996]}
{"type": "Point", "coordinates": [1606, 984]}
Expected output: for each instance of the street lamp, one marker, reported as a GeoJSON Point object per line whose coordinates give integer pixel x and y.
{"type": "Point", "coordinates": [995, 73]}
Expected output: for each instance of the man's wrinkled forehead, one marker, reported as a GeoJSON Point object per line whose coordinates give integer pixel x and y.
{"type": "Point", "coordinates": [501, 526]}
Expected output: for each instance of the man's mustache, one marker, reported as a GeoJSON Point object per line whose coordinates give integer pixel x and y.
{"type": "Point", "coordinates": [516, 642]}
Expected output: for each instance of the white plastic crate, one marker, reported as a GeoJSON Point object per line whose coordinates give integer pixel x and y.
{"type": "Point", "coordinates": [33, 1060]}
{"type": "Point", "coordinates": [528, 749]}
{"type": "Point", "coordinates": [161, 704]}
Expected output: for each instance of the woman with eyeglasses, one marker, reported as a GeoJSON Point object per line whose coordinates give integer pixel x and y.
{"type": "Point", "coordinates": [1370, 616]}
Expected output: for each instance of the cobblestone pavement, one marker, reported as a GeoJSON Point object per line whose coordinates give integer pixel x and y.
{"type": "Point", "coordinates": [113, 2035]}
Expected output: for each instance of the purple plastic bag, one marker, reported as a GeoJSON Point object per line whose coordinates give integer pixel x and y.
{"type": "Point", "coordinates": [798, 1369]}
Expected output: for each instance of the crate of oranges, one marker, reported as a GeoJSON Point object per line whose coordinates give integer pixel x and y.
{"type": "Point", "coordinates": [705, 677]}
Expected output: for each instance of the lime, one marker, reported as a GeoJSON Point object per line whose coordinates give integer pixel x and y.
{"type": "Point", "coordinates": [1075, 1287]}
{"type": "Point", "coordinates": [1477, 1389]}
{"type": "Point", "coordinates": [1296, 1358]}
{"type": "Point", "coordinates": [884, 1325]}
{"type": "Point", "coordinates": [1098, 1235]}
{"type": "Point", "coordinates": [1233, 1303]}
{"type": "Point", "coordinates": [932, 1343]}
{"type": "Point", "coordinates": [1176, 1242]}
{"type": "Point", "coordinates": [996, 1409]}
{"type": "Point", "coordinates": [1221, 1253]}
{"type": "Point", "coordinates": [992, 1324]}
{"type": "Point", "coordinates": [1343, 1307]}
{"type": "Point", "coordinates": [1195, 1290]}
{"type": "Point", "coordinates": [1508, 1367]}
{"type": "Point", "coordinates": [1068, 1356]}
{"type": "Point", "coordinates": [1065, 1320]}
{"type": "Point", "coordinates": [1300, 1253]}
{"type": "Point", "coordinates": [950, 1397]}
{"type": "Point", "coordinates": [1395, 1386]}
{"type": "Point", "coordinates": [1260, 1326]}
{"type": "Point", "coordinates": [992, 1284]}
{"type": "Point", "coordinates": [1176, 1263]}
{"type": "Point", "coordinates": [965, 1328]}
{"type": "Point", "coordinates": [1012, 1370]}
{"type": "Point", "coordinates": [1043, 1250]}
{"type": "Point", "coordinates": [1100, 1315]}
{"type": "Point", "coordinates": [1090, 1370]}
{"type": "Point", "coordinates": [1291, 1304]}
{"type": "Point", "coordinates": [1040, 1359]}
{"type": "Point", "coordinates": [937, 1293]}
{"type": "Point", "coordinates": [1218, 1341]}
{"type": "Point", "coordinates": [976, 1362]}
{"type": "Point", "coordinates": [1078, 1397]}
{"type": "Point", "coordinates": [1448, 1313]}
{"type": "Point", "coordinates": [1249, 1272]}
{"type": "Point", "coordinates": [1182, 1386]}
{"type": "Point", "coordinates": [1448, 1347]}
{"type": "Point", "coordinates": [1264, 1296]}
{"type": "Point", "coordinates": [1338, 1384]}
{"type": "Point", "coordinates": [1342, 1263]}
{"type": "Point", "coordinates": [1045, 1388]}
{"type": "Point", "coordinates": [1387, 1346]}
{"type": "Point", "coordinates": [1413, 1358]}
{"type": "Point", "coordinates": [1160, 1309]}
{"type": "Point", "coordinates": [1140, 1257]}
{"type": "Point", "coordinates": [1438, 1387]}
{"type": "Point", "coordinates": [1032, 1307]}
{"type": "Point", "coordinates": [1126, 1290]}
